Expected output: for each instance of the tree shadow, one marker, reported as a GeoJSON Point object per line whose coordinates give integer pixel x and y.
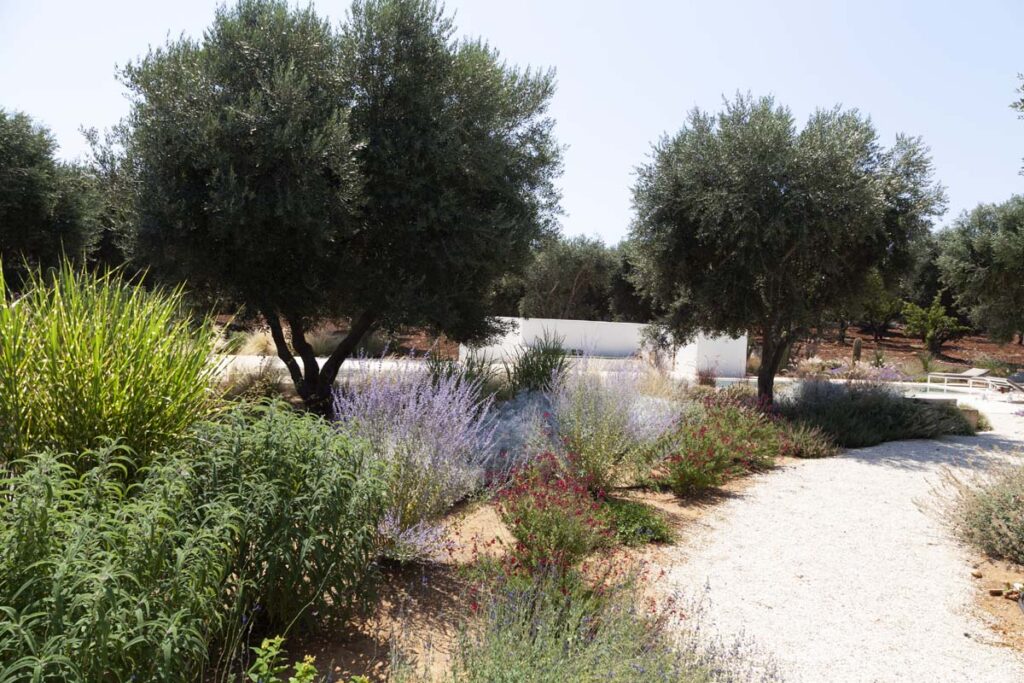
{"type": "Point", "coordinates": [967, 452]}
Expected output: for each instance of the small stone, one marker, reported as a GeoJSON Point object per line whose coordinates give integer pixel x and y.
{"type": "Point", "coordinates": [976, 574]}
{"type": "Point", "coordinates": [1012, 595]}
{"type": "Point", "coordinates": [995, 591]}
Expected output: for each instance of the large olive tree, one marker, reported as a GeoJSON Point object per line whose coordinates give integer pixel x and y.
{"type": "Point", "coordinates": [745, 223]}
{"type": "Point", "coordinates": [981, 261]}
{"type": "Point", "coordinates": [385, 173]}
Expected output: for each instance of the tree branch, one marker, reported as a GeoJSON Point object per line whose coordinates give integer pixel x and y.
{"type": "Point", "coordinates": [360, 326]}
{"type": "Point", "coordinates": [283, 351]}
{"type": "Point", "coordinates": [306, 352]}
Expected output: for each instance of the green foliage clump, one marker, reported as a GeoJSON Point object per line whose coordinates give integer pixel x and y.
{"type": "Point", "coordinates": [86, 357]}
{"type": "Point", "coordinates": [932, 325]}
{"type": "Point", "coordinates": [538, 366]}
{"type": "Point", "coordinates": [805, 441]}
{"type": "Point", "coordinates": [264, 519]}
{"type": "Point", "coordinates": [555, 519]}
{"type": "Point", "coordinates": [637, 523]}
{"type": "Point", "coordinates": [553, 630]}
{"type": "Point", "coordinates": [858, 415]}
{"type": "Point", "coordinates": [270, 665]}
{"type": "Point", "coordinates": [102, 581]}
{"type": "Point", "coordinates": [989, 512]}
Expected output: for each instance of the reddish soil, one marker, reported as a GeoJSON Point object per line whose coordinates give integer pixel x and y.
{"type": "Point", "coordinates": [902, 350]}
{"type": "Point", "coordinates": [421, 607]}
{"type": "Point", "coordinates": [1004, 616]}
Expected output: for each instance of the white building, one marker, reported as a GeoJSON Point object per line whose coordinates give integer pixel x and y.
{"type": "Point", "coordinates": [727, 357]}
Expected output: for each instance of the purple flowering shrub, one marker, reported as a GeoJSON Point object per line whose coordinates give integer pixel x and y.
{"type": "Point", "coordinates": [433, 436]}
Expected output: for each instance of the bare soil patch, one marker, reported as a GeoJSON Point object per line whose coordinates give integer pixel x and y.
{"type": "Point", "coordinates": [1004, 616]}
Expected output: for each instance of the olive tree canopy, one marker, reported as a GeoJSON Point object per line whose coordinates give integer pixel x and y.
{"type": "Point", "coordinates": [746, 223]}
{"type": "Point", "coordinates": [385, 173]}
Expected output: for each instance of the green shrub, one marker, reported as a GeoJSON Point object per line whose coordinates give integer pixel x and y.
{"type": "Point", "coordinates": [551, 513]}
{"type": "Point", "coordinates": [552, 631]}
{"type": "Point", "coordinates": [932, 325]}
{"type": "Point", "coordinates": [100, 582]}
{"type": "Point", "coordinates": [726, 436]}
{"type": "Point", "coordinates": [261, 521]}
{"type": "Point", "coordinates": [804, 441]}
{"type": "Point", "coordinates": [88, 357]}
{"type": "Point", "coordinates": [859, 415]}
{"type": "Point", "coordinates": [536, 367]}
{"type": "Point", "coordinates": [989, 512]}
{"type": "Point", "coordinates": [637, 523]}
{"type": "Point", "coordinates": [311, 502]}
{"type": "Point", "coordinates": [607, 424]}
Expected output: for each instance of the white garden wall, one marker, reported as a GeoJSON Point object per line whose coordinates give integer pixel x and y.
{"type": "Point", "coordinates": [728, 357]}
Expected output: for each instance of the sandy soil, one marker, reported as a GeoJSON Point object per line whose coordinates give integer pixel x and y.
{"type": "Point", "coordinates": [845, 571]}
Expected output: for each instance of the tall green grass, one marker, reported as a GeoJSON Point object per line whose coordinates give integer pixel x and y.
{"type": "Point", "coordinates": [86, 357]}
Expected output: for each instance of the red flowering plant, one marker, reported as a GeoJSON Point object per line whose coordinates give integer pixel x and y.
{"type": "Point", "coordinates": [728, 437]}
{"type": "Point", "coordinates": [552, 514]}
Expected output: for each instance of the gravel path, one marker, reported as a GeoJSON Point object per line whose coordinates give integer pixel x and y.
{"type": "Point", "coordinates": [838, 569]}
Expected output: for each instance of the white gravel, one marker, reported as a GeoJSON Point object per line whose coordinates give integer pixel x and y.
{"type": "Point", "coordinates": [838, 568]}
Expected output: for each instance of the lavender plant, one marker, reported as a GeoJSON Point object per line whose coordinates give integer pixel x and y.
{"type": "Point", "coordinates": [433, 436]}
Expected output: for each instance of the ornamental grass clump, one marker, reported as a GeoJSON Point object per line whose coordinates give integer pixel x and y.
{"type": "Point", "coordinates": [432, 436]}
{"type": "Point", "coordinates": [87, 357]}
{"type": "Point", "coordinates": [606, 423]}
{"type": "Point", "coordinates": [552, 514]}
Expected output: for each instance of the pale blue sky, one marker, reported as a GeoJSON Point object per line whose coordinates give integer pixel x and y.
{"type": "Point", "coordinates": [627, 73]}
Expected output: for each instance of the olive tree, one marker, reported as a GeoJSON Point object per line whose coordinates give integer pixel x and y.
{"type": "Point", "coordinates": [386, 173]}
{"type": "Point", "coordinates": [745, 223]}
{"type": "Point", "coordinates": [48, 209]}
{"type": "Point", "coordinates": [981, 260]}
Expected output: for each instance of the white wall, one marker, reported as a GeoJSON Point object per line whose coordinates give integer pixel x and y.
{"type": "Point", "coordinates": [610, 340]}
{"type": "Point", "coordinates": [725, 356]}
{"type": "Point", "coordinates": [728, 357]}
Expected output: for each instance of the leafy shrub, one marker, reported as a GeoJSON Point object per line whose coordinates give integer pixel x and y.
{"type": "Point", "coordinates": [604, 421]}
{"type": "Point", "coordinates": [432, 435]}
{"type": "Point", "coordinates": [552, 515]}
{"type": "Point", "coordinates": [537, 367]}
{"type": "Point", "coordinates": [98, 582]}
{"type": "Point", "coordinates": [804, 441]}
{"type": "Point", "coordinates": [552, 630]}
{"type": "Point", "coordinates": [259, 522]}
{"type": "Point", "coordinates": [859, 415]}
{"type": "Point", "coordinates": [728, 436]}
{"type": "Point", "coordinates": [989, 512]}
{"type": "Point", "coordinates": [311, 503]}
{"type": "Point", "coordinates": [932, 325]}
{"type": "Point", "coordinates": [637, 523]}
{"type": "Point", "coordinates": [270, 665]}
{"type": "Point", "coordinates": [86, 357]}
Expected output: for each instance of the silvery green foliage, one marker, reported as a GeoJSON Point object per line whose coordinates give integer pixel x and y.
{"type": "Point", "coordinates": [433, 435]}
{"type": "Point", "coordinates": [599, 413]}
{"type": "Point", "coordinates": [522, 430]}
